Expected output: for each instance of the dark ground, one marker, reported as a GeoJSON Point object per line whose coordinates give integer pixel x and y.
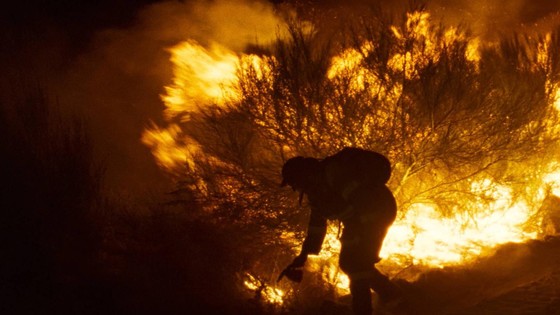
{"type": "Point", "coordinates": [519, 279]}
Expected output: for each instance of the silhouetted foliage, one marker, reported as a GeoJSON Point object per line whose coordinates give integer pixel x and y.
{"type": "Point", "coordinates": [446, 114]}
{"type": "Point", "coordinates": [50, 187]}
{"type": "Point", "coordinates": [71, 247]}
{"type": "Point", "coordinates": [414, 93]}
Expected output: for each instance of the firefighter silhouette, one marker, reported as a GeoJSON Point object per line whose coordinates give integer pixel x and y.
{"type": "Point", "coordinates": [350, 187]}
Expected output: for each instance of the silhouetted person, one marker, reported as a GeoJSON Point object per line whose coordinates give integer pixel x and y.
{"type": "Point", "coordinates": [348, 186]}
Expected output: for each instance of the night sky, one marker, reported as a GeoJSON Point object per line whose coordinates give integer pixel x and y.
{"type": "Point", "coordinates": [78, 19]}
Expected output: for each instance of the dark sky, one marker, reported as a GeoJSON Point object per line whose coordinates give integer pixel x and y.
{"type": "Point", "coordinates": [76, 21]}
{"type": "Point", "coordinates": [85, 15]}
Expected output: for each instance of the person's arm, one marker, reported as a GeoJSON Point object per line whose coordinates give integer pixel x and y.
{"type": "Point", "coordinates": [316, 231]}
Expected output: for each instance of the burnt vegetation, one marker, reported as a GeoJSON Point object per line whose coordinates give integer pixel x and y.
{"type": "Point", "coordinates": [444, 120]}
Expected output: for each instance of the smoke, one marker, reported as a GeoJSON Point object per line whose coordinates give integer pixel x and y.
{"type": "Point", "coordinates": [487, 19]}
{"type": "Point", "coordinates": [118, 82]}
{"type": "Point", "coordinates": [493, 19]}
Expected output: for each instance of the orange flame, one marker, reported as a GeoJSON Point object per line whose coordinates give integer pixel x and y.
{"type": "Point", "coordinates": [270, 294]}
{"type": "Point", "coordinates": [208, 76]}
{"type": "Point", "coordinates": [201, 76]}
{"type": "Point", "coordinates": [166, 147]}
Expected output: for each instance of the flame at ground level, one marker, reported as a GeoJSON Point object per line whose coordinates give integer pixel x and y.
{"type": "Point", "coordinates": [424, 237]}
{"type": "Point", "coordinates": [208, 75]}
{"type": "Point", "coordinates": [269, 294]}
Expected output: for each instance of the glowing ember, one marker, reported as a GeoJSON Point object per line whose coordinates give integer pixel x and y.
{"type": "Point", "coordinates": [269, 294]}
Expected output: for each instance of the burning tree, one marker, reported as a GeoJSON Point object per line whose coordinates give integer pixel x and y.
{"type": "Point", "coordinates": [471, 130]}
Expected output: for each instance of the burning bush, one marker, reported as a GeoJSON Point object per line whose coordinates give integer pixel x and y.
{"type": "Point", "coordinates": [470, 127]}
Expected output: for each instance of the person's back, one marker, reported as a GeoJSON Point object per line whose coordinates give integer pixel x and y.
{"type": "Point", "coordinates": [353, 180]}
{"type": "Point", "coordinates": [351, 167]}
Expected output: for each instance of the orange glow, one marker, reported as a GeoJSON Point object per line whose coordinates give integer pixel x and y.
{"type": "Point", "coordinates": [270, 294]}
{"type": "Point", "coordinates": [201, 76]}
{"type": "Point", "coordinates": [328, 257]}
{"type": "Point", "coordinates": [418, 26]}
{"type": "Point", "coordinates": [349, 63]}
{"type": "Point", "coordinates": [557, 100]}
{"type": "Point", "coordinates": [422, 236]}
{"type": "Point", "coordinates": [473, 53]}
{"type": "Point", "coordinates": [165, 146]}
{"type": "Point", "coordinates": [436, 241]}
{"type": "Point", "coordinates": [552, 179]}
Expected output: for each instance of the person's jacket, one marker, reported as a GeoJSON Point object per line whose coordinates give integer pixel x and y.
{"type": "Point", "coordinates": [351, 204]}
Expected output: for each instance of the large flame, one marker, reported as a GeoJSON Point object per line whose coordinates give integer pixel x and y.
{"type": "Point", "coordinates": [208, 75]}
{"type": "Point", "coordinates": [438, 241]}
{"type": "Point", "coordinates": [200, 76]}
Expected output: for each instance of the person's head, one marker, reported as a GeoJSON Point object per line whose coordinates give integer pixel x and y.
{"type": "Point", "coordinates": [299, 172]}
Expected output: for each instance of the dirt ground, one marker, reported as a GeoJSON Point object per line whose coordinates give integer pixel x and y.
{"type": "Point", "coordinates": [541, 296]}
{"type": "Point", "coordinates": [518, 279]}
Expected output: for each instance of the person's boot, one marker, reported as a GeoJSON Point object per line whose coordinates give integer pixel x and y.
{"type": "Point", "coordinates": [390, 296]}
{"type": "Point", "coordinates": [361, 297]}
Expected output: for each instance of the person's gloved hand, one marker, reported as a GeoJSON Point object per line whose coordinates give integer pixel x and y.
{"type": "Point", "coordinates": [294, 270]}
{"type": "Point", "coordinates": [299, 261]}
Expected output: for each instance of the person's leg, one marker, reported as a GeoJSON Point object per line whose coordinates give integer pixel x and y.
{"type": "Point", "coordinates": [380, 283]}
{"type": "Point", "coordinates": [355, 264]}
{"type": "Point", "coordinates": [361, 296]}
{"type": "Point", "coordinates": [361, 242]}
{"type": "Point", "coordinates": [383, 287]}
{"type": "Point", "coordinates": [362, 245]}
{"type": "Point", "coordinates": [361, 283]}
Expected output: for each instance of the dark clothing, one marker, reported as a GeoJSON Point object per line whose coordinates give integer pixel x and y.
{"type": "Point", "coordinates": [366, 217]}
{"type": "Point", "coordinates": [361, 243]}
{"type": "Point", "coordinates": [364, 232]}
{"type": "Point", "coordinates": [366, 212]}
{"type": "Point", "coordinates": [348, 186]}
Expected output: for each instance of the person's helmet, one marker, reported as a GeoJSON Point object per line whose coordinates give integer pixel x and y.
{"type": "Point", "coordinates": [297, 170]}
